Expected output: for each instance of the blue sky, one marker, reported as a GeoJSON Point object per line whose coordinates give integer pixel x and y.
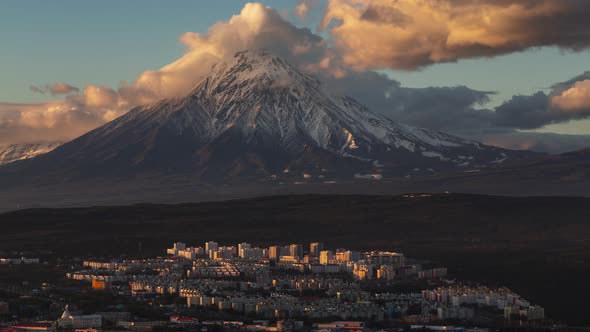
{"type": "Point", "coordinates": [101, 42]}
{"type": "Point", "coordinates": [104, 42]}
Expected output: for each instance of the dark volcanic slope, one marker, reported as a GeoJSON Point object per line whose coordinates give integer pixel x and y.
{"type": "Point", "coordinates": [255, 118]}
{"type": "Point", "coordinates": [540, 247]}
{"type": "Point", "coordinates": [564, 174]}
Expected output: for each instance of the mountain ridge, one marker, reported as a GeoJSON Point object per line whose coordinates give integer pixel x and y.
{"type": "Point", "coordinates": [15, 152]}
{"type": "Point", "coordinates": [257, 117]}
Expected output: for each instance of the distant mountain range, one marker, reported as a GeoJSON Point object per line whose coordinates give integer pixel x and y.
{"type": "Point", "coordinates": [259, 118]}
{"type": "Point", "coordinates": [564, 174]}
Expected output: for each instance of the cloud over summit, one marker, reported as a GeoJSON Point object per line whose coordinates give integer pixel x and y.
{"type": "Point", "coordinates": [256, 26]}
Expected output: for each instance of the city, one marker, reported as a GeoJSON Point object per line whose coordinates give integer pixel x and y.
{"type": "Point", "coordinates": [277, 288]}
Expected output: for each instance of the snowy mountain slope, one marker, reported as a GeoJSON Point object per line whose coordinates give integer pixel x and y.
{"type": "Point", "coordinates": [259, 116]}
{"type": "Point", "coordinates": [14, 152]}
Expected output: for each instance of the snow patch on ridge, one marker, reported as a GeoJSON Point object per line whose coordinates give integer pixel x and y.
{"type": "Point", "coordinates": [15, 152]}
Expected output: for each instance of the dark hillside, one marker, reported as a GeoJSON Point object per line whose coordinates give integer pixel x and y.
{"type": "Point", "coordinates": [540, 247]}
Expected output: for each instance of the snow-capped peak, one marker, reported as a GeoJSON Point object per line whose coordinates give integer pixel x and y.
{"type": "Point", "coordinates": [264, 97]}
{"type": "Point", "coordinates": [257, 113]}
{"type": "Point", "coordinates": [258, 70]}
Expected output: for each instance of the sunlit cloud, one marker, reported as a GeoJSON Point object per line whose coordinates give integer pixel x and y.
{"type": "Point", "coordinates": [50, 121]}
{"type": "Point", "coordinates": [364, 35]}
{"type": "Point", "coordinates": [574, 99]}
{"type": "Point", "coordinates": [409, 34]}
{"type": "Point", "coordinates": [304, 7]}
{"type": "Point", "coordinates": [567, 101]}
{"type": "Point", "coordinates": [256, 26]}
{"type": "Point", "coordinates": [55, 89]}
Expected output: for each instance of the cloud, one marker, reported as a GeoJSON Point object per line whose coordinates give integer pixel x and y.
{"type": "Point", "coordinates": [59, 120]}
{"type": "Point", "coordinates": [55, 89]}
{"type": "Point", "coordinates": [439, 108]}
{"type": "Point", "coordinates": [256, 26]}
{"type": "Point", "coordinates": [304, 7]}
{"type": "Point", "coordinates": [45, 122]}
{"type": "Point", "coordinates": [457, 110]}
{"type": "Point", "coordinates": [566, 101]}
{"type": "Point", "coordinates": [409, 34]}
{"type": "Point", "coordinates": [102, 96]}
{"type": "Point", "coordinates": [575, 99]}
{"type": "Point", "coordinates": [460, 111]}
{"type": "Point", "coordinates": [527, 112]}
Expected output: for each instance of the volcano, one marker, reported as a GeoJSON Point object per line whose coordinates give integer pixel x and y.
{"type": "Point", "coordinates": [258, 117]}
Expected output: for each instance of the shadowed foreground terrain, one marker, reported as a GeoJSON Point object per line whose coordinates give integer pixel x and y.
{"type": "Point", "coordinates": [539, 247]}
